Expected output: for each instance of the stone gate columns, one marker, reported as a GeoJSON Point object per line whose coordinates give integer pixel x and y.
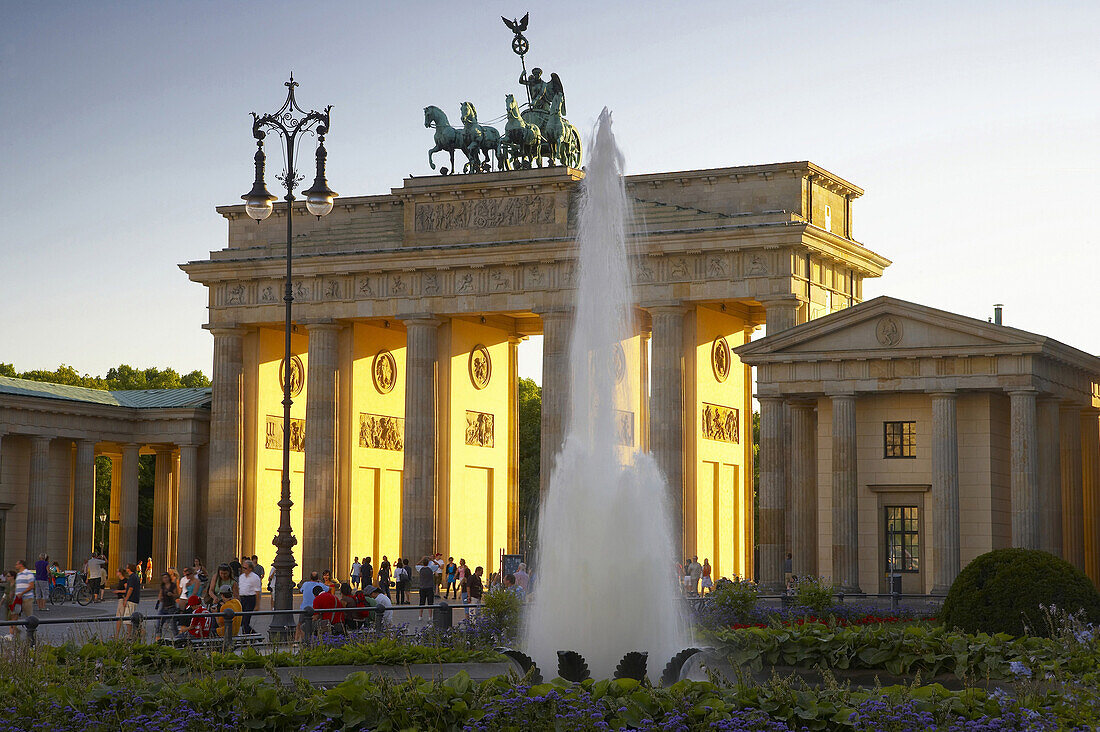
{"type": "Point", "coordinates": [1073, 528]}
{"type": "Point", "coordinates": [128, 506]}
{"type": "Point", "coordinates": [666, 409]}
{"type": "Point", "coordinates": [418, 509]}
{"type": "Point", "coordinates": [945, 491]}
{"type": "Point", "coordinates": [187, 496]}
{"type": "Point", "coordinates": [162, 509]}
{"type": "Point", "coordinates": [319, 509]}
{"type": "Point", "coordinates": [1090, 461]}
{"type": "Point", "coordinates": [556, 328]}
{"type": "Point", "coordinates": [772, 495]}
{"type": "Point", "coordinates": [38, 499]}
{"type": "Point", "coordinates": [1050, 478]}
{"type": "Point", "coordinates": [803, 489]}
{"type": "Point", "coordinates": [845, 495]}
{"type": "Point", "coordinates": [83, 501]}
{"type": "Point", "coordinates": [226, 436]}
{"type": "Point", "coordinates": [1025, 469]}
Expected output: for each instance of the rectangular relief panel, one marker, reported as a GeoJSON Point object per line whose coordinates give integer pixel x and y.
{"type": "Point", "coordinates": [274, 437]}
{"type": "Point", "coordinates": [720, 423]}
{"type": "Point", "coordinates": [624, 424]}
{"type": "Point", "coordinates": [479, 429]}
{"type": "Point", "coordinates": [380, 432]}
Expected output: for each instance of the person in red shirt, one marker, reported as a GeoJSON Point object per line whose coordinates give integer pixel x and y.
{"type": "Point", "coordinates": [324, 603]}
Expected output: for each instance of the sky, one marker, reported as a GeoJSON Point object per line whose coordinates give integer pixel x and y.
{"type": "Point", "coordinates": [973, 127]}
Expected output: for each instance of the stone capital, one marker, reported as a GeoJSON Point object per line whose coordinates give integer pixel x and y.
{"type": "Point", "coordinates": [225, 330]}
{"type": "Point", "coordinates": [1022, 391]}
{"type": "Point", "coordinates": [321, 324]}
{"type": "Point", "coordinates": [427, 319]}
{"type": "Point", "coordinates": [943, 394]}
{"type": "Point", "coordinates": [666, 308]}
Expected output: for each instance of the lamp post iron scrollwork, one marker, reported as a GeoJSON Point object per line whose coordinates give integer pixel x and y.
{"type": "Point", "coordinates": [289, 122]}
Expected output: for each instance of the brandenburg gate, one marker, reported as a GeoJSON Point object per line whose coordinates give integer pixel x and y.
{"type": "Point", "coordinates": [409, 308]}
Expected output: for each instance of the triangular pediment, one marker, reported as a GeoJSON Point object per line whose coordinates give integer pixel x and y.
{"type": "Point", "coordinates": [887, 327]}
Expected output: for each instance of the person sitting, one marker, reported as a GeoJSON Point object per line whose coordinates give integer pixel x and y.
{"type": "Point", "coordinates": [202, 621]}
{"type": "Point", "coordinates": [385, 616]}
{"type": "Point", "coordinates": [325, 603]}
{"type": "Point", "coordinates": [229, 603]}
{"type": "Point", "coordinates": [511, 587]}
{"type": "Point", "coordinates": [349, 620]}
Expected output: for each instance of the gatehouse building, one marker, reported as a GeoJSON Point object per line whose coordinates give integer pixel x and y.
{"type": "Point", "coordinates": [409, 310]}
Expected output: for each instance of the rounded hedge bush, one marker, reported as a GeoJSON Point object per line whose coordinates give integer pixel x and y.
{"type": "Point", "coordinates": [1000, 592]}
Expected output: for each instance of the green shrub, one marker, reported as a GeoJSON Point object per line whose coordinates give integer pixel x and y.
{"type": "Point", "coordinates": [737, 596]}
{"type": "Point", "coordinates": [1003, 591]}
{"type": "Point", "coordinates": [501, 609]}
{"type": "Point", "coordinates": [813, 593]}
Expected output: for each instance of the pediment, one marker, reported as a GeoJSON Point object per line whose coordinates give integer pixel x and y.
{"type": "Point", "coordinates": [889, 327]}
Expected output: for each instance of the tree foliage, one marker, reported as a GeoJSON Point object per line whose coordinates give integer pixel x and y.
{"type": "Point", "coordinates": [530, 452]}
{"type": "Point", "coordinates": [119, 378]}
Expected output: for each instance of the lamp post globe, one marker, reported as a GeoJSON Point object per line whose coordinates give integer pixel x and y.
{"type": "Point", "coordinates": [258, 208]}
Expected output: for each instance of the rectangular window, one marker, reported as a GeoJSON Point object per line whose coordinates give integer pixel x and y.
{"type": "Point", "coordinates": [902, 539]}
{"type": "Point", "coordinates": [899, 439]}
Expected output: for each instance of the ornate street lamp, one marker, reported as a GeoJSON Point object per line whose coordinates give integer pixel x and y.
{"type": "Point", "coordinates": [288, 122]}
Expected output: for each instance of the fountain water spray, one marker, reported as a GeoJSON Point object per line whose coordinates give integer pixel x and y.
{"type": "Point", "coordinates": [606, 583]}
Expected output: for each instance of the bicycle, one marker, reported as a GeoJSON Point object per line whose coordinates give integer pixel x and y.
{"type": "Point", "coordinates": [79, 593]}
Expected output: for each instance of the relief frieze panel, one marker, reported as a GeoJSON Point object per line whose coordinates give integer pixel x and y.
{"type": "Point", "coordinates": [624, 427]}
{"type": "Point", "coordinates": [381, 432]}
{"type": "Point", "coordinates": [721, 423]}
{"type": "Point", "coordinates": [484, 213]}
{"type": "Point", "coordinates": [479, 429]}
{"type": "Point", "coordinates": [274, 438]}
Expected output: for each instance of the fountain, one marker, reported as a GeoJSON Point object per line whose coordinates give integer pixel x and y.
{"type": "Point", "coordinates": [606, 584]}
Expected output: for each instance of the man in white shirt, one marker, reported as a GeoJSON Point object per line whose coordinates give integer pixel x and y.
{"type": "Point", "coordinates": [248, 588]}
{"type": "Point", "coordinates": [522, 578]}
{"type": "Point", "coordinates": [356, 572]}
{"type": "Point", "coordinates": [24, 586]}
{"type": "Point", "coordinates": [382, 601]}
{"type": "Point", "coordinates": [94, 568]}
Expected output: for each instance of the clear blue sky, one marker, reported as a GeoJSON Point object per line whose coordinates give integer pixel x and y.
{"type": "Point", "coordinates": [974, 127]}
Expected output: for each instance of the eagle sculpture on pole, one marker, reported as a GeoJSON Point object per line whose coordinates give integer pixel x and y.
{"type": "Point", "coordinates": [516, 26]}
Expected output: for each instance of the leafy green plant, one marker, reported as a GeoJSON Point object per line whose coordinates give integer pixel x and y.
{"type": "Point", "coordinates": [502, 609]}
{"type": "Point", "coordinates": [1005, 590]}
{"type": "Point", "coordinates": [813, 593]}
{"type": "Point", "coordinates": [737, 596]}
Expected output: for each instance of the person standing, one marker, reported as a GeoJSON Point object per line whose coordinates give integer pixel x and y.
{"type": "Point", "coordinates": [695, 573]}
{"type": "Point", "coordinates": [426, 584]}
{"type": "Point", "coordinates": [462, 572]}
{"type": "Point", "coordinates": [248, 589]}
{"type": "Point", "coordinates": [521, 577]}
{"type": "Point", "coordinates": [401, 582]}
{"type": "Point", "coordinates": [41, 582]}
{"type": "Point", "coordinates": [259, 570]}
{"type": "Point", "coordinates": [452, 578]}
{"type": "Point", "coordinates": [356, 572]}
{"type": "Point", "coordinates": [475, 588]}
{"type": "Point", "coordinates": [24, 586]}
{"type": "Point", "coordinates": [129, 595]}
{"type": "Point", "coordinates": [94, 570]}
{"type": "Point", "coordinates": [437, 568]}
{"type": "Point", "coordinates": [12, 606]}
{"type": "Point", "coordinates": [384, 576]}
{"type": "Point", "coordinates": [707, 581]}
{"type": "Point", "coordinates": [166, 605]}
{"type": "Point", "coordinates": [368, 573]}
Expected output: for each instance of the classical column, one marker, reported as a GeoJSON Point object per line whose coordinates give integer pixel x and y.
{"type": "Point", "coordinates": [38, 498]}
{"type": "Point", "coordinates": [162, 487]}
{"type": "Point", "coordinates": [1090, 473]}
{"type": "Point", "coordinates": [556, 328]}
{"type": "Point", "coordinates": [643, 389]}
{"type": "Point", "coordinates": [845, 495]}
{"type": "Point", "coordinates": [187, 504]}
{"type": "Point", "coordinates": [418, 507]}
{"type": "Point", "coordinates": [319, 507]}
{"type": "Point", "coordinates": [666, 410]}
{"type": "Point", "coordinates": [803, 489]}
{"type": "Point", "coordinates": [1050, 478]}
{"type": "Point", "coordinates": [513, 442]}
{"type": "Point", "coordinates": [1073, 512]}
{"type": "Point", "coordinates": [780, 313]}
{"type": "Point", "coordinates": [1025, 469]}
{"type": "Point", "coordinates": [945, 492]}
{"type": "Point", "coordinates": [128, 506]}
{"type": "Point", "coordinates": [226, 435]}
{"type": "Point", "coordinates": [83, 501]}
{"type": "Point", "coordinates": [773, 497]}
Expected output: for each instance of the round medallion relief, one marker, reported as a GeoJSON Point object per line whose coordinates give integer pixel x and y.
{"type": "Point", "coordinates": [618, 357]}
{"type": "Point", "coordinates": [384, 372]}
{"type": "Point", "coordinates": [888, 331]}
{"type": "Point", "coordinates": [720, 359]}
{"type": "Point", "coordinates": [481, 368]}
{"type": "Point", "coordinates": [297, 375]}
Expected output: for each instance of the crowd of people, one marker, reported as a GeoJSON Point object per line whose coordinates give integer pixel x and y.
{"type": "Point", "coordinates": [197, 598]}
